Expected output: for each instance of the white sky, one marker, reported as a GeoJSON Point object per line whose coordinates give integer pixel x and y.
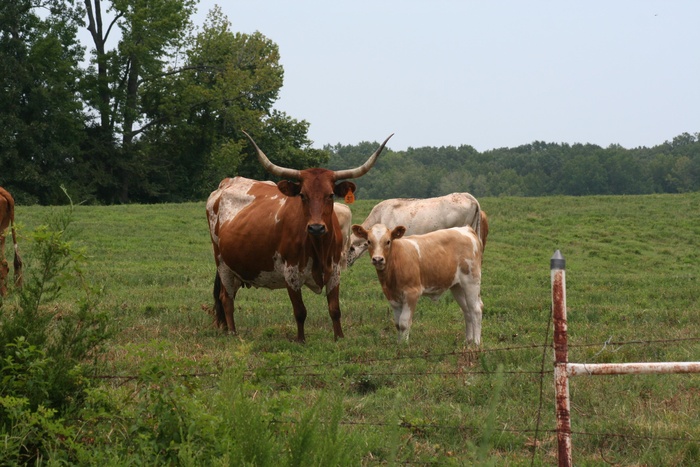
{"type": "Point", "coordinates": [489, 74]}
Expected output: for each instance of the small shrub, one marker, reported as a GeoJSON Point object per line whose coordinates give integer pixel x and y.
{"type": "Point", "coordinates": [43, 351]}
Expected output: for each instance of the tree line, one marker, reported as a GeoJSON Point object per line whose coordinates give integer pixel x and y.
{"type": "Point", "coordinates": [536, 169]}
{"type": "Point", "coordinates": [151, 110]}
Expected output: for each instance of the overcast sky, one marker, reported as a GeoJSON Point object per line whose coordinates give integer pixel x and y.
{"type": "Point", "coordinates": [489, 74]}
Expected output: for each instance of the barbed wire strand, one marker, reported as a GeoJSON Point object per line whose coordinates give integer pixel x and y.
{"type": "Point", "coordinates": [474, 430]}
{"type": "Point", "coordinates": [281, 371]}
{"type": "Point", "coordinates": [426, 356]}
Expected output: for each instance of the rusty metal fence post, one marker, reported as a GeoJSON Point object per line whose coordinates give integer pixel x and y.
{"type": "Point", "coordinates": [563, 369]}
{"type": "Point", "coordinates": [561, 358]}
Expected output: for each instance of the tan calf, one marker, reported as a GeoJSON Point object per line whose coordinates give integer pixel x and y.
{"type": "Point", "coordinates": [428, 264]}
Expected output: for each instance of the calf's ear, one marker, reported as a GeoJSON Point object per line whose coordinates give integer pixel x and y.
{"type": "Point", "coordinates": [359, 231]}
{"type": "Point", "coordinates": [398, 232]}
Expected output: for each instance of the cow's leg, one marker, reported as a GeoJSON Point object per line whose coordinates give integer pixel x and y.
{"type": "Point", "coordinates": [468, 296]}
{"type": "Point", "coordinates": [4, 268]}
{"type": "Point", "coordinates": [17, 260]}
{"type": "Point", "coordinates": [227, 301]}
{"type": "Point", "coordinates": [299, 311]}
{"type": "Point", "coordinates": [226, 286]}
{"type": "Point", "coordinates": [334, 310]}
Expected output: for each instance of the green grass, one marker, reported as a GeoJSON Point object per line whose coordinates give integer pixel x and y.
{"type": "Point", "coordinates": [632, 275]}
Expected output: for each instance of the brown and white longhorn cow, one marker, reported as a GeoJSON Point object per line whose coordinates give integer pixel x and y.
{"type": "Point", "coordinates": [421, 216]}
{"type": "Point", "coordinates": [283, 236]}
{"type": "Point", "coordinates": [7, 218]}
{"type": "Point", "coordinates": [428, 264]}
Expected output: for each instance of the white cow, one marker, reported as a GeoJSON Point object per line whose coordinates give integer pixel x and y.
{"type": "Point", "coordinates": [344, 215]}
{"type": "Point", "coordinates": [421, 216]}
{"type": "Point", "coordinates": [428, 264]}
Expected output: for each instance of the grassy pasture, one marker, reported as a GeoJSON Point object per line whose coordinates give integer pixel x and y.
{"type": "Point", "coordinates": [632, 275]}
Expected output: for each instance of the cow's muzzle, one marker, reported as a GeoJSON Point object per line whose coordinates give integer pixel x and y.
{"type": "Point", "coordinates": [316, 229]}
{"type": "Point", "coordinates": [378, 262]}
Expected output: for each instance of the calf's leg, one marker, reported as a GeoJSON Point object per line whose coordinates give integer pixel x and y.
{"type": "Point", "coordinates": [403, 314]}
{"type": "Point", "coordinates": [468, 296]}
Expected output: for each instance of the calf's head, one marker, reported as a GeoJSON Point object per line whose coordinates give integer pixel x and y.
{"type": "Point", "coordinates": [379, 239]}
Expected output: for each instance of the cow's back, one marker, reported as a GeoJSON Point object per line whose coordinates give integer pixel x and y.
{"type": "Point", "coordinates": [421, 216]}
{"type": "Point", "coordinates": [435, 261]}
{"type": "Point", "coordinates": [247, 229]}
{"type": "Point", "coordinates": [259, 234]}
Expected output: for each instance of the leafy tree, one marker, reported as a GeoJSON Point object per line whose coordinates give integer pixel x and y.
{"type": "Point", "coordinates": [660, 167]}
{"type": "Point", "coordinates": [41, 117]}
{"type": "Point", "coordinates": [456, 181]}
{"type": "Point", "coordinates": [229, 83]}
{"type": "Point", "coordinates": [626, 174]}
{"type": "Point", "coordinates": [152, 32]}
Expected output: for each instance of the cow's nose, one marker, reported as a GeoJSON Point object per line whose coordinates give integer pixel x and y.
{"type": "Point", "coordinates": [378, 261]}
{"type": "Point", "coordinates": [316, 229]}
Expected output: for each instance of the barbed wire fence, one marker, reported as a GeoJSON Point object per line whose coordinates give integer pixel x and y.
{"type": "Point", "coordinates": [544, 373]}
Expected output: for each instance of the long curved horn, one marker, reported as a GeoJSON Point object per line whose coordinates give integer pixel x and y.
{"type": "Point", "coordinates": [364, 168]}
{"type": "Point", "coordinates": [281, 172]}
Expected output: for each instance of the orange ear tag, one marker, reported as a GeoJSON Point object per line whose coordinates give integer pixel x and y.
{"type": "Point", "coordinates": [350, 197]}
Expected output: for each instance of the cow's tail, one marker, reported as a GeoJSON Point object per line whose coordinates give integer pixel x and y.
{"type": "Point", "coordinates": [18, 258]}
{"type": "Point", "coordinates": [219, 315]}
{"type": "Point", "coordinates": [483, 228]}
{"type": "Point", "coordinates": [480, 223]}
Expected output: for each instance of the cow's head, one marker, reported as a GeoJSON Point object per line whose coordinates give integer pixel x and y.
{"type": "Point", "coordinates": [357, 248]}
{"type": "Point", "coordinates": [317, 188]}
{"type": "Point", "coordinates": [379, 239]}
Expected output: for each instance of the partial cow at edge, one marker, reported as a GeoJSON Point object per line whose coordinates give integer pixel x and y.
{"type": "Point", "coordinates": [421, 216]}
{"type": "Point", "coordinates": [429, 264]}
{"type": "Point", "coordinates": [7, 218]}
{"type": "Point", "coordinates": [280, 236]}
{"type": "Point", "coordinates": [344, 215]}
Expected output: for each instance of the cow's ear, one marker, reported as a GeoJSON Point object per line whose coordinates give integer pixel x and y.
{"type": "Point", "coordinates": [341, 189]}
{"type": "Point", "coordinates": [398, 232]}
{"type": "Point", "coordinates": [289, 188]}
{"type": "Point", "coordinates": [359, 231]}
